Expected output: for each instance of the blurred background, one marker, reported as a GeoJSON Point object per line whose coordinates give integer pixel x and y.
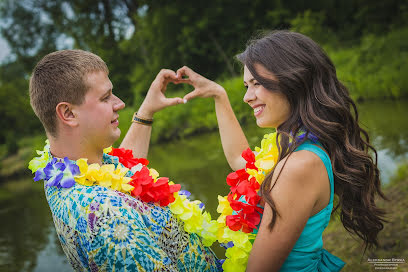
{"type": "Point", "coordinates": [366, 39]}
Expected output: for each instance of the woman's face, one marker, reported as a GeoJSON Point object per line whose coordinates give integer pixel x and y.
{"type": "Point", "coordinates": [271, 108]}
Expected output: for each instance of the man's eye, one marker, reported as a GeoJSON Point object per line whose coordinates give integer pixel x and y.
{"type": "Point", "coordinates": [257, 84]}
{"type": "Point", "coordinates": [106, 98]}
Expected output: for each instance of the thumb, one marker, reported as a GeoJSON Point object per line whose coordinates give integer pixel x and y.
{"type": "Point", "coordinates": [174, 101]}
{"type": "Point", "coordinates": [191, 95]}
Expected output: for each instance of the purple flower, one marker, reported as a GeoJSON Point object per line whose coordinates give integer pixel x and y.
{"type": "Point", "coordinates": [184, 192]}
{"type": "Point", "coordinates": [39, 175]}
{"type": "Point", "coordinates": [59, 174]}
{"type": "Point", "coordinates": [201, 206]}
{"type": "Point", "coordinates": [227, 245]}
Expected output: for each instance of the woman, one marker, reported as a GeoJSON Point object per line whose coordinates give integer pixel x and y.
{"type": "Point", "coordinates": [292, 86]}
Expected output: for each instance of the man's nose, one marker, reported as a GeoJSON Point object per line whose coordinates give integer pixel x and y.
{"type": "Point", "coordinates": [119, 104]}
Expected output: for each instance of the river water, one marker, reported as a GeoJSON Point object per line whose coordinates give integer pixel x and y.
{"type": "Point", "coordinates": [28, 241]}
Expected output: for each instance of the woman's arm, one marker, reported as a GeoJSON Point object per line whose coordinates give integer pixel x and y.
{"type": "Point", "coordinates": [138, 136]}
{"type": "Point", "coordinates": [232, 137]}
{"type": "Point", "coordinates": [297, 196]}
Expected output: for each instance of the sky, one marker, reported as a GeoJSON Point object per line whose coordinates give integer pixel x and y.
{"type": "Point", "coordinates": [4, 49]}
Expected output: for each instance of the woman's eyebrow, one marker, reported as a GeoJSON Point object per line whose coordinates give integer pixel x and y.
{"type": "Point", "coordinates": [250, 81]}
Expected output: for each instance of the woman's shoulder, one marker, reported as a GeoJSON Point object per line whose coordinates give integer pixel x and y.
{"type": "Point", "coordinates": [300, 164]}
{"type": "Point", "coordinates": [302, 173]}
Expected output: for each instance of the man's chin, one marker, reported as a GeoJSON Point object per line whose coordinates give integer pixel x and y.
{"type": "Point", "coordinates": [115, 136]}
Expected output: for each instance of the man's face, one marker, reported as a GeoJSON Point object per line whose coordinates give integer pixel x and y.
{"type": "Point", "coordinates": [98, 114]}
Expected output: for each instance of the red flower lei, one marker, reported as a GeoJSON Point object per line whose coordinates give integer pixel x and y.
{"type": "Point", "coordinates": [145, 187]}
{"type": "Point", "coordinates": [242, 184]}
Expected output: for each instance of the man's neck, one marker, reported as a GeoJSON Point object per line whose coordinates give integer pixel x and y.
{"type": "Point", "coordinates": [74, 150]}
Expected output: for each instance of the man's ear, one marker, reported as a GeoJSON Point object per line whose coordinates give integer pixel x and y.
{"type": "Point", "coordinates": [66, 114]}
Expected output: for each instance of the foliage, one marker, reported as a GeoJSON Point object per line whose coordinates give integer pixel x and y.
{"type": "Point", "coordinates": [367, 41]}
{"type": "Point", "coordinates": [376, 67]}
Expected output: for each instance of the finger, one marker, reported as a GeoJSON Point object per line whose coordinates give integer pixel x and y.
{"type": "Point", "coordinates": [185, 71]}
{"type": "Point", "coordinates": [183, 80]}
{"type": "Point", "coordinates": [166, 75]}
{"type": "Point", "coordinates": [195, 93]}
{"type": "Point", "coordinates": [174, 101]}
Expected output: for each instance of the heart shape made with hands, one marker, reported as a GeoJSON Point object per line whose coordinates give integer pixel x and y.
{"type": "Point", "coordinates": [156, 99]}
{"type": "Point", "coordinates": [203, 87]}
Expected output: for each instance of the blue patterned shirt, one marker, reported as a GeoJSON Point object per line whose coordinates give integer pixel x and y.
{"type": "Point", "coordinates": [105, 230]}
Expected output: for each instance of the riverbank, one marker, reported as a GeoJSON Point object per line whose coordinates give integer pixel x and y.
{"type": "Point", "coordinates": [393, 239]}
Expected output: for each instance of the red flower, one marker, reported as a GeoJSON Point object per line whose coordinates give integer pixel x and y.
{"type": "Point", "coordinates": [237, 222]}
{"type": "Point", "coordinates": [234, 222]}
{"type": "Point", "coordinates": [126, 157]}
{"type": "Point", "coordinates": [248, 155]}
{"type": "Point", "coordinates": [243, 175]}
{"type": "Point", "coordinates": [149, 191]}
{"type": "Point", "coordinates": [248, 214]}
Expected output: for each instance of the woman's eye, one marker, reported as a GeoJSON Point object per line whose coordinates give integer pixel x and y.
{"type": "Point", "coordinates": [106, 98]}
{"type": "Point", "coordinates": [257, 84]}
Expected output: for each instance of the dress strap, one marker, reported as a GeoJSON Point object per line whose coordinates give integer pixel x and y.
{"type": "Point", "coordinates": [309, 146]}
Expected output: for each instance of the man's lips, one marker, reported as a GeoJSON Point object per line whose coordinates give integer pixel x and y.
{"type": "Point", "coordinates": [115, 121]}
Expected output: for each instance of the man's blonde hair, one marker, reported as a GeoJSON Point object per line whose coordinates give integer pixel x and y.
{"type": "Point", "coordinates": [61, 77]}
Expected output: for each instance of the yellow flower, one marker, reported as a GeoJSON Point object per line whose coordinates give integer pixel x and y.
{"type": "Point", "coordinates": [237, 260]}
{"type": "Point", "coordinates": [83, 168]}
{"type": "Point", "coordinates": [107, 150]}
{"type": "Point", "coordinates": [154, 174]}
{"type": "Point", "coordinates": [210, 229]}
{"type": "Point", "coordinates": [223, 208]}
{"type": "Point", "coordinates": [119, 181]}
{"type": "Point", "coordinates": [38, 162]}
{"type": "Point", "coordinates": [177, 207]}
{"type": "Point", "coordinates": [41, 161]}
{"type": "Point", "coordinates": [192, 224]}
{"type": "Point", "coordinates": [105, 175]}
{"type": "Point", "coordinates": [258, 175]}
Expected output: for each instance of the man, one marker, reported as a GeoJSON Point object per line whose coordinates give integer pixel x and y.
{"type": "Point", "coordinates": [101, 229]}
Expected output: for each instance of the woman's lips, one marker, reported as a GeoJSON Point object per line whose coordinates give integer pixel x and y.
{"type": "Point", "coordinates": [258, 110]}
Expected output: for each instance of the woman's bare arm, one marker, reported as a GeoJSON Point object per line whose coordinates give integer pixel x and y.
{"type": "Point", "coordinates": [232, 137]}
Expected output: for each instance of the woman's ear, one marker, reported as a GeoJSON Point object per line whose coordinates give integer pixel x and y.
{"type": "Point", "coordinates": [66, 114]}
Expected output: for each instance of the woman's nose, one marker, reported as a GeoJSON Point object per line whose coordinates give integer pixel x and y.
{"type": "Point", "coordinates": [249, 95]}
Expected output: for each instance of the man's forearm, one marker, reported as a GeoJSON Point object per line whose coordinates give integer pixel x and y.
{"type": "Point", "coordinates": [138, 136]}
{"type": "Point", "coordinates": [138, 140]}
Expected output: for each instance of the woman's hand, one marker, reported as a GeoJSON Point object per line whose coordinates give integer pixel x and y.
{"type": "Point", "coordinates": [203, 87]}
{"type": "Point", "coordinates": [156, 99]}
{"type": "Point", "coordinates": [232, 137]}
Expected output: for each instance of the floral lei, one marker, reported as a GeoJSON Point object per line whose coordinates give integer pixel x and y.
{"type": "Point", "coordinates": [239, 210]}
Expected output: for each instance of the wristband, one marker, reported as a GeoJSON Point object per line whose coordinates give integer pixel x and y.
{"type": "Point", "coordinates": [137, 119]}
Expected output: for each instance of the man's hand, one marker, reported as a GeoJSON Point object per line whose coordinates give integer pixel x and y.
{"type": "Point", "coordinates": [156, 99]}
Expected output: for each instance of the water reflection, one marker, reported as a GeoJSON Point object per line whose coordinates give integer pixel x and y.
{"type": "Point", "coordinates": [27, 236]}
{"type": "Point", "coordinates": [26, 230]}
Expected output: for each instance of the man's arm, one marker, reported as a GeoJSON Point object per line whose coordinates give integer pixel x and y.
{"type": "Point", "coordinates": [138, 136]}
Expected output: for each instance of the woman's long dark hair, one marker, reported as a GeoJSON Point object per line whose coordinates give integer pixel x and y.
{"type": "Point", "coordinates": [320, 104]}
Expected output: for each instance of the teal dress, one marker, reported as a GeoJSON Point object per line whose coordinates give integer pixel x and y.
{"type": "Point", "coordinates": [308, 253]}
